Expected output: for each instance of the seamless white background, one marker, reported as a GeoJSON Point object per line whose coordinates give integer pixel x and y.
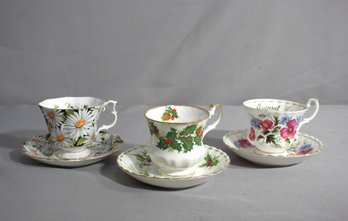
{"type": "Point", "coordinates": [173, 51]}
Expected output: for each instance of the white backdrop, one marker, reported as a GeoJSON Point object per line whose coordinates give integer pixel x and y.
{"type": "Point", "coordinates": [173, 51]}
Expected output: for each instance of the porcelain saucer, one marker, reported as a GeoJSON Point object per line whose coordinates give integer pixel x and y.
{"type": "Point", "coordinates": [38, 148]}
{"type": "Point", "coordinates": [137, 163]}
{"type": "Point", "coordinates": [307, 147]}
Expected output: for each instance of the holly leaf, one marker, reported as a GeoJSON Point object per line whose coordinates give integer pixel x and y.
{"type": "Point", "coordinates": [189, 129]}
{"type": "Point", "coordinates": [171, 135]}
{"type": "Point", "coordinates": [161, 144]}
{"type": "Point", "coordinates": [187, 146]}
{"type": "Point", "coordinates": [198, 140]}
{"type": "Point", "coordinates": [176, 146]}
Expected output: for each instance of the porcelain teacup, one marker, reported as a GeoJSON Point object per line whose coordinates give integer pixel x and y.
{"type": "Point", "coordinates": [177, 134]}
{"type": "Point", "coordinates": [274, 124]}
{"type": "Point", "coordinates": [72, 123]}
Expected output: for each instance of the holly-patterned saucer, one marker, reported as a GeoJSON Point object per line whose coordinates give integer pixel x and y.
{"type": "Point", "coordinates": [38, 148]}
{"type": "Point", "coordinates": [137, 163]}
{"type": "Point", "coordinates": [307, 146]}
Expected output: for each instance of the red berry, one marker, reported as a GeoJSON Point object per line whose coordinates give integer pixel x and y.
{"type": "Point", "coordinates": [209, 163]}
{"type": "Point", "coordinates": [168, 141]}
{"type": "Point", "coordinates": [172, 118]}
{"type": "Point", "coordinates": [187, 139]}
{"type": "Point", "coordinates": [174, 110]}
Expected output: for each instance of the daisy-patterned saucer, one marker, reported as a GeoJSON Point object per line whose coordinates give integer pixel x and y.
{"type": "Point", "coordinates": [38, 148]}
{"type": "Point", "coordinates": [307, 147]}
{"type": "Point", "coordinates": [137, 163]}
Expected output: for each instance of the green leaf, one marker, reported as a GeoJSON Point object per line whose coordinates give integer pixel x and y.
{"type": "Point", "coordinates": [259, 137]}
{"type": "Point", "coordinates": [276, 130]}
{"type": "Point", "coordinates": [187, 146]}
{"type": "Point", "coordinates": [270, 139]}
{"type": "Point", "coordinates": [69, 112]}
{"type": "Point", "coordinates": [171, 134]}
{"type": "Point", "coordinates": [176, 146]}
{"type": "Point", "coordinates": [81, 141]}
{"type": "Point", "coordinates": [189, 129]}
{"type": "Point", "coordinates": [198, 140]}
{"type": "Point", "coordinates": [276, 120]}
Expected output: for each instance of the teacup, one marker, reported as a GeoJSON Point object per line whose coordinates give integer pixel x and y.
{"type": "Point", "coordinates": [274, 124]}
{"type": "Point", "coordinates": [72, 123]}
{"type": "Point", "coordinates": [177, 134]}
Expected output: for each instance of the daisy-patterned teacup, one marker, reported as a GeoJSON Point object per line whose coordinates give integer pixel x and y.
{"type": "Point", "coordinates": [274, 124]}
{"type": "Point", "coordinates": [72, 123]}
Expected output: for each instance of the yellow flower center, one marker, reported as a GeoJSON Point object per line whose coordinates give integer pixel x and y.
{"type": "Point", "coordinates": [51, 114]}
{"type": "Point", "coordinates": [80, 123]}
{"type": "Point", "coordinates": [60, 137]}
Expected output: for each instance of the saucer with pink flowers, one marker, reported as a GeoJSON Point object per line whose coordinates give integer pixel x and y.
{"type": "Point", "coordinates": [306, 147]}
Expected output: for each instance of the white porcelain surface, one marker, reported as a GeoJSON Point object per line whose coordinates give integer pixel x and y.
{"type": "Point", "coordinates": [308, 146]}
{"type": "Point", "coordinates": [177, 134]}
{"type": "Point", "coordinates": [274, 124]}
{"type": "Point", "coordinates": [137, 163]}
{"type": "Point", "coordinates": [38, 148]}
{"type": "Point", "coordinates": [72, 122]}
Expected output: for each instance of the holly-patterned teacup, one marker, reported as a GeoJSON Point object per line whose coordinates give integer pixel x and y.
{"type": "Point", "coordinates": [177, 134]}
{"type": "Point", "coordinates": [274, 124]}
{"type": "Point", "coordinates": [72, 123]}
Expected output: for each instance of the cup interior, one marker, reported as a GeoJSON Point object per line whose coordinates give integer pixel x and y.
{"type": "Point", "coordinates": [275, 105]}
{"type": "Point", "coordinates": [71, 102]}
{"type": "Point", "coordinates": [177, 114]}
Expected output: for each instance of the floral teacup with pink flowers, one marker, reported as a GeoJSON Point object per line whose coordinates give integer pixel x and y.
{"type": "Point", "coordinates": [274, 124]}
{"type": "Point", "coordinates": [72, 123]}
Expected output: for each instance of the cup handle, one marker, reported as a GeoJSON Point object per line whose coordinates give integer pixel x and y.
{"type": "Point", "coordinates": [212, 109]}
{"type": "Point", "coordinates": [114, 112]}
{"type": "Point", "coordinates": [308, 104]}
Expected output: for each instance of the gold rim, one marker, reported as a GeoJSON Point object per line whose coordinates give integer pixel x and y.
{"type": "Point", "coordinates": [94, 106]}
{"type": "Point", "coordinates": [177, 123]}
{"type": "Point", "coordinates": [180, 178]}
{"type": "Point", "coordinates": [305, 108]}
{"type": "Point", "coordinates": [320, 144]}
{"type": "Point", "coordinates": [115, 148]}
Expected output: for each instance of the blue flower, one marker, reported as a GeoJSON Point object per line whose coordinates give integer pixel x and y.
{"type": "Point", "coordinates": [305, 148]}
{"type": "Point", "coordinates": [284, 120]}
{"type": "Point", "coordinates": [255, 123]}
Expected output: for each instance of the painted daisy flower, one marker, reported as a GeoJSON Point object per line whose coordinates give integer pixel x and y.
{"type": "Point", "coordinates": [80, 123]}
{"type": "Point", "coordinates": [95, 138]}
{"type": "Point", "coordinates": [55, 117]}
{"type": "Point", "coordinates": [59, 137]}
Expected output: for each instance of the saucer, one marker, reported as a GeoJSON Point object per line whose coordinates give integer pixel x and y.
{"type": "Point", "coordinates": [307, 147]}
{"type": "Point", "coordinates": [39, 149]}
{"type": "Point", "coordinates": [137, 163]}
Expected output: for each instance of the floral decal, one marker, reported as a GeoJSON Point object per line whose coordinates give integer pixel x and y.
{"type": "Point", "coordinates": [304, 149]}
{"type": "Point", "coordinates": [72, 127]}
{"type": "Point", "coordinates": [209, 161]}
{"type": "Point", "coordinates": [143, 159]}
{"type": "Point", "coordinates": [290, 130]}
{"type": "Point", "coordinates": [244, 143]}
{"type": "Point", "coordinates": [273, 130]}
{"type": "Point", "coordinates": [170, 114]}
{"type": "Point", "coordinates": [153, 129]}
{"type": "Point", "coordinates": [181, 140]}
